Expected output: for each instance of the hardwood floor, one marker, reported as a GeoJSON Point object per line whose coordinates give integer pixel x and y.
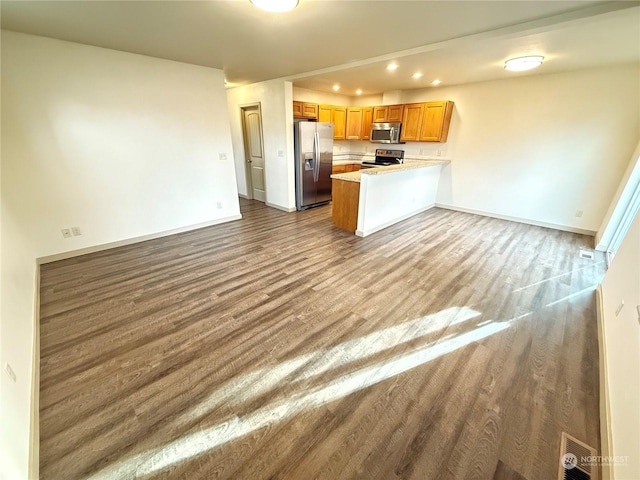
{"type": "Point", "coordinates": [449, 346]}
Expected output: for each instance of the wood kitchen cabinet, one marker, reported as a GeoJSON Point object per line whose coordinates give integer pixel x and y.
{"type": "Point", "coordinates": [395, 113]}
{"type": "Point", "coordinates": [335, 115]}
{"type": "Point", "coordinates": [412, 118]}
{"type": "Point", "coordinates": [367, 118]}
{"type": "Point", "coordinates": [344, 207]}
{"type": "Point", "coordinates": [305, 110]}
{"type": "Point", "coordinates": [436, 119]}
{"type": "Point", "coordinates": [380, 114]}
{"type": "Point", "coordinates": [387, 113]}
{"type": "Point", "coordinates": [354, 123]}
{"type": "Point", "coordinates": [351, 167]}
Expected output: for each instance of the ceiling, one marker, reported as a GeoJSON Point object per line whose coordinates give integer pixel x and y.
{"type": "Point", "coordinates": [323, 42]}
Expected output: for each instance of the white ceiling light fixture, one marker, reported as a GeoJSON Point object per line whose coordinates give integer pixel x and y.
{"type": "Point", "coordinates": [392, 66]}
{"type": "Point", "coordinates": [336, 88]}
{"type": "Point", "coordinates": [358, 92]}
{"type": "Point", "coordinates": [522, 64]}
{"type": "Point", "coordinates": [436, 82]}
{"type": "Point", "coordinates": [417, 75]}
{"type": "Point", "coordinates": [275, 5]}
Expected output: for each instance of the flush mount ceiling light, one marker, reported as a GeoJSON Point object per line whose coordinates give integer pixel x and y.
{"type": "Point", "coordinates": [417, 75]}
{"type": "Point", "coordinates": [392, 66]}
{"type": "Point", "coordinates": [275, 5]}
{"type": "Point", "coordinates": [521, 64]}
{"type": "Point", "coordinates": [436, 82]}
{"type": "Point", "coordinates": [358, 92]}
{"type": "Point", "coordinates": [336, 88]}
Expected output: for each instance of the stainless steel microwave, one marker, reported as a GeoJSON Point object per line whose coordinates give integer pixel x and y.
{"type": "Point", "coordinates": [385, 132]}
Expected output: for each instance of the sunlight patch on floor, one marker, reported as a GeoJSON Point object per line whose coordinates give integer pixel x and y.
{"type": "Point", "coordinates": [196, 443]}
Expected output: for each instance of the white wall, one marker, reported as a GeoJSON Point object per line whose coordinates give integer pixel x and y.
{"type": "Point", "coordinates": [276, 101]}
{"type": "Point", "coordinates": [539, 148]}
{"type": "Point", "coordinates": [122, 146]}
{"type": "Point", "coordinates": [621, 341]}
{"type": "Point", "coordinates": [388, 198]}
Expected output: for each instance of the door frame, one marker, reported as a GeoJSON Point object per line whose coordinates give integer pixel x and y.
{"type": "Point", "coordinates": [247, 167]}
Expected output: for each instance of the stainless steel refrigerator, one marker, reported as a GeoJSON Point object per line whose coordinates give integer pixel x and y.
{"type": "Point", "coordinates": [313, 144]}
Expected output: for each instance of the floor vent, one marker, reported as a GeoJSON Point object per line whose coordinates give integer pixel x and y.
{"type": "Point", "coordinates": [578, 460]}
{"type": "Point", "coordinates": [586, 254]}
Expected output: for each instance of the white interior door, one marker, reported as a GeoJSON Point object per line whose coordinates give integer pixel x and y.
{"type": "Point", "coordinates": [254, 151]}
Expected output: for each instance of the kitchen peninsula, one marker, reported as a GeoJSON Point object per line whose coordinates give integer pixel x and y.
{"type": "Point", "coordinates": [369, 200]}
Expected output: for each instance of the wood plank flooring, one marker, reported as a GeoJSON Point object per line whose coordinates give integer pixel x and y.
{"type": "Point", "coordinates": [449, 346]}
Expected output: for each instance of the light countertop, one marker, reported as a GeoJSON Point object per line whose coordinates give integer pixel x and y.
{"type": "Point", "coordinates": [407, 165]}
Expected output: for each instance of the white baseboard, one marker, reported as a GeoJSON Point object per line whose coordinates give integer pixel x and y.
{"type": "Point", "coordinates": [527, 221]}
{"type": "Point", "coordinates": [606, 443]}
{"type": "Point", "coordinates": [280, 207]}
{"type": "Point", "coordinates": [130, 241]}
{"type": "Point", "coordinates": [246, 197]}
{"type": "Point", "coordinates": [382, 226]}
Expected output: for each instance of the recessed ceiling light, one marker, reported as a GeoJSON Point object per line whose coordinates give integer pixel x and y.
{"type": "Point", "coordinates": [392, 66]}
{"type": "Point", "coordinates": [417, 75]}
{"type": "Point", "coordinates": [336, 87]}
{"type": "Point", "coordinates": [358, 92]}
{"type": "Point", "coordinates": [521, 64]}
{"type": "Point", "coordinates": [275, 5]}
{"type": "Point", "coordinates": [436, 82]}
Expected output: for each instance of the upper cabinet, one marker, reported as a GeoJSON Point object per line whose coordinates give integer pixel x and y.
{"type": "Point", "coordinates": [367, 119]}
{"type": "Point", "coordinates": [421, 122]}
{"type": "Point", "coordinates": [412, 122]}
{"type": "Point", "coordinates": [305, 110]}
{"type": "Point", "coordinates": [435, 121]}
{"type": "Point", "coordinates": [354, 123]}
{"type": "Point", "coordinates": [395, 113]}
{"type": "Point", "coordinates": [387, 113]}
{"type": "Point", "coordinates": [335, 115]}
{"type": "Point", "coordinates": [380, 114]}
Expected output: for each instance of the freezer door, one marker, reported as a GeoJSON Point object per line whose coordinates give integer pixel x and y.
{"type": "Point", "coordinates": [305, 164]}
{"type": "Point", "coordinates": [325, 141]}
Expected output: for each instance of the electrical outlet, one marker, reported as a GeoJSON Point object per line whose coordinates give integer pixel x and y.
{"type": "Point", "coordinates": [223, 156]}
{"type": "Point", "coordinates": [66, 233]}
{"type": "Point", "coordinates": [439, 153]}
{"type": "Point", "coordinates": [579, 213]}
{"type": "Point", "coordinates": [76, 231]}
{"type": "Point", "coordinates": [10, 372]}
{"type": "Point", "coordinates": [219, 204]}
{"type": "Point", "coordinates": [280, 153]}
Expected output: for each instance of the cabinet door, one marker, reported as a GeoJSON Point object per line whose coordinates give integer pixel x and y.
{"type": "Point", "coordinates": [411, 122]}
{"type": "Point", "coordinates": [435, 121]}
{"type": "Point", "coordinates": [354, 123]}
{"type": "Point", "coordinates": [297, 109]}
{"type": "Point", "coordinates": [309, 110]}
{"type": "Point", "coordinates": [338, 169]}
{"type": "Point", "coordinates": [325, 113]}
{"type": "Point", "coordinates": [380, 114]}
{"type": "Point", "coordinates": [367, 118]}
{"type": "Point", "coordinates": [395, 113]}
{"type": "Point", "coordinates": [339, 123]}
{"type": "Point", "coordinates": [356, 167]}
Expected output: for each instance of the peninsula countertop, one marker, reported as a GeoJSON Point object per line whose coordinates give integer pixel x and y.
{"type": "Point", "coordinates": [407, 165]}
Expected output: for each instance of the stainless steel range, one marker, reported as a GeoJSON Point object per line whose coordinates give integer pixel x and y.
{"type": "Point", "coordinates": [385, 157]}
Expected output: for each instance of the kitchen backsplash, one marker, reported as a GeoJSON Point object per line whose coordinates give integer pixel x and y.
{"type": "Point", "coordinates": [356, 150]}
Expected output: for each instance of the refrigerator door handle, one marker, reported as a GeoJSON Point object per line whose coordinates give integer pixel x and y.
{"type": "Point", "coordinates": [316, 155]}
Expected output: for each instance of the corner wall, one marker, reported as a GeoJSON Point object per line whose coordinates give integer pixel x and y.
{"type": "Point", "coordinates": [121, 145]}
{"type": "Point", "coordinates": [620, 341]}
{"type": "Point", "coordinates": [538, 148]}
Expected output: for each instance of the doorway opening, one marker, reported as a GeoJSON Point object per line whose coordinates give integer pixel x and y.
{"type": "Point", "coordinates": [254, 151]}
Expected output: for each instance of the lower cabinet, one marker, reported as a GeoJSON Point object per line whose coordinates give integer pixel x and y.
{"type": "Point", "coordinates": [344, 205]}
{"type": "Point", "coordinates": [351, 167]}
